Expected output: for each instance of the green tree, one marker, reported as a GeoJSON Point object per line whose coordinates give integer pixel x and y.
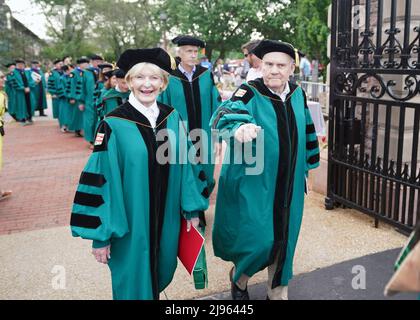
{"type": "Point", "coordinates": [119, 25]}
{"type": "Point", "coordinates": [303, 23]}
{"type": "Point", "coordinates": [224, 24]}
{"type": "Point", "coordinates": [68, 21]}
{"type": "Point", "coordinates": [280, 21]}
{"type": "Point", "coordinates": [312, 28]}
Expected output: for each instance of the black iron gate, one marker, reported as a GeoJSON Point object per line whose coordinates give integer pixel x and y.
{"type": "Point", "coordinates": [374, 114]}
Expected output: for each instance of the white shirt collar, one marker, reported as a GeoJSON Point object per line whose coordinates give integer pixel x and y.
{"type": "Point", "coordinates": [285, 92]}
{"type": "Point", "coordinates": [151, 113]}
{"type": "Point", "coordinates": [189, 75]}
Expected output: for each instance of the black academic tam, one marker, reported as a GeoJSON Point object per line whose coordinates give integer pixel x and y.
{"type": "Point", "coordinates": [120, 74]}
{"type": "Point", "coordinates": [82, 60]}
{"type": "Point", "coordinates": [96, 57]}
{"type": "Point", "coordinates": [105, 65]}
{"type": "Point", "coordinates": [267, 46]}
{"type": "Point", "coordinates": [157, 56]}
{"type": "Point", "coordinates": [185, 40]}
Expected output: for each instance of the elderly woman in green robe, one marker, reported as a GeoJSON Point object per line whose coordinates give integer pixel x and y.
{"type": "Point", "coordinates": [137, 184]}
{"type": "Point", "coordinates": [259, 213]}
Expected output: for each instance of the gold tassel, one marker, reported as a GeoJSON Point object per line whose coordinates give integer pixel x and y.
{"type": "Point", "coordinates": [173, 62]}
{"type": "Point", "coordinates": [297, 58]}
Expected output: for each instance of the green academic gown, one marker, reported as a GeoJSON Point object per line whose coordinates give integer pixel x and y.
{"type": "Point", "coordinates": [53, 88]}
{"type": "Point", "coordinates": [65, 112]}
{"type": "Point", "coordinates": [258, 217]}
{"type": "Point", "coordinates": [126, 199]}
{"type": "Point", "coordinates": [196, 102]}
{"type": "Point", "coordinates": [11, 93]}
{"type": "Point", "coordinates": [76, 93]}
{"type": "Point", "coordinates": [89, 115]}
{"type": "Point", "coordinates": [39, 91]}
{"type": "Point", "coordinates": [111, 99]}
{"type": "Point", "coordinates": [25, 103]}
{"type": "Point", "coordinates": [97, 93]}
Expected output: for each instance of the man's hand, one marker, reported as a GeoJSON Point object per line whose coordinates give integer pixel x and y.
{"type": "Point", "coordinates": [194, 222]}
{"type": "Point", "coordinates": [81, 107]}
{"type": "Point", "coordinates": [247, 132]}
{"type": "Point", "coordinates": [27, 90]}
{"type": "Point", "coordinates": [72, 101]}
{"type": "Point", "coordinates": [102, 255]}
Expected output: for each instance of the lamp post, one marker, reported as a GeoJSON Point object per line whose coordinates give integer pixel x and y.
{"type": "Point", "coordinates": [164, 17]}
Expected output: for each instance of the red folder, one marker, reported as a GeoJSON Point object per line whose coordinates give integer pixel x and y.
{"type": "Point", "coordinates": [189, 246]}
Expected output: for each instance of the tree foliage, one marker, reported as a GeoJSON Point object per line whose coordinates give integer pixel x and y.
{"type": "Point", "coordinates": [224, 24]}
{"type": "Point", "coordinates": [312, 27]}
{"type": "Point", "coordinates": [109, 27]}
{"type": "Point", "coordinates": [68, 21]}
{"type": "Point", "coordinates": [120, 25]}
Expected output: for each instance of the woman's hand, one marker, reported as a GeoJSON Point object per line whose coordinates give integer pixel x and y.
{"type": "Point", "coordinates": [102, 255]}
{"type": "Point", "coordinates": [194, 222]}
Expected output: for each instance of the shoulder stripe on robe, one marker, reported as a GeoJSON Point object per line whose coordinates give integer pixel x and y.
{"type": "Point", "coordinates": [243, 93]}
{"type": "Point", "coordinates": [92, 179]}
{"type": "Point", "coordinates": [85, 221]}
{"type": "Point", "coordinates": [88, 199]}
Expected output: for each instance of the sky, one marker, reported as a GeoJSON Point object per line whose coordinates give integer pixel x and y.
{"type": "Point", "coordinates": [30, 15]}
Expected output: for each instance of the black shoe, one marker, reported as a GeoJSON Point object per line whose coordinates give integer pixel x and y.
{"type": "Point", "coordinates": [78, 133]}
{"type": "Point", "coordinates": [237, 293]}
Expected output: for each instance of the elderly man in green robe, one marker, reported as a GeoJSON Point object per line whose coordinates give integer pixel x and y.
{"type": "Point", "coordinates": [192, 92]}
{"type": "Point", "coordinates": [258, 214]}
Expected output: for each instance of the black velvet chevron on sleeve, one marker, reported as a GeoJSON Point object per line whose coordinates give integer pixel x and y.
{"type": "Point", "coordinates": [85, 221]}
{"type": "Point", "coordinates": [92, 179]}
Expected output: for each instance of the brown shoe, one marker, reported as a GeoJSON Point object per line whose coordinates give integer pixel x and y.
{"type": "Point", "coordinates": [5, 194]}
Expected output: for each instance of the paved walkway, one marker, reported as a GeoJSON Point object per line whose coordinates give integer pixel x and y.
{"type": "Point", "coordinates": [362, 278]}
{"type": "Point", "coordinates": [42, 167]}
